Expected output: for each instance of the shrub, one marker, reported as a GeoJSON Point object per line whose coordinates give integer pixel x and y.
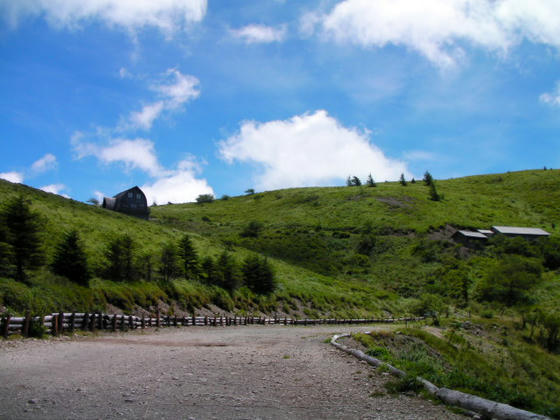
{"type": "Point", "coordinates": [252, 230]}
{"type": "Point", "coordinates": [205, 198]}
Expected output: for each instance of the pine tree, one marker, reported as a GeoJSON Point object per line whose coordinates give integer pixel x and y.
{"type": "Point", "coordinates": [189, 257]}
{"type": "Point", "coordinates": [70, 260]}
{"type": "Point", "coordinates": [120, 259]}
{"type": "Point", "coordinates": [356, 181]}
{"type": "Point", "coordinates": [258, 275]}
{"type": "Point", "coordinates": [428, 179]}
{"type": "Point", "coordinates": [227, 272]}
{"type": "Point", "coordinates": [403, 180]}
{"type": "Point", "coordinates": [22, 227]}
{"type": "Point", "coordinates": [209, 271]}
{"type": "Point", "coordinates": [349, 181]}
{"type": "Point", "coordinates": [433, 192]}
{"type": "Point", "coordinates": [168, 262]}
{"type": "Point", "coordinates": [370, 182]}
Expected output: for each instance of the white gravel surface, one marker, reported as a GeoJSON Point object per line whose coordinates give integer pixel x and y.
{"type": "Point", "coordinates": [246, 372]}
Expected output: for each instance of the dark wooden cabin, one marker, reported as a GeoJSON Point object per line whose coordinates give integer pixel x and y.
{"type": "Point", "coordinates": [132, 202]}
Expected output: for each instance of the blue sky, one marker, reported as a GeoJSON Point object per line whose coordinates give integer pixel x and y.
{"type": "Point", "coordinates": [187, 97]}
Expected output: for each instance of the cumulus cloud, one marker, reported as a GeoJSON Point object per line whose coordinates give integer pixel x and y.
{"type": "Point", "coordinates": [177, 186]}
{"type": "Point", "coordinates": [437, 29]}
{"type": "Point", "coordinates": [166, 15]}
{"type": "Point", "coordinates": [260, 34]}
{"type": "Point", "coordinates": [44, 164]}
{"type": "Point", "coordinates": [306, 150]}
{"type": "Point", "coordinates": [16, 177]}
{"type": "Point", "coordinates": [174, 91]}
{"type": "Point", "coordinates": [136, 153]}
{"type": "Point", "coordinates": [552, 98]}
{"type": "Point", "coordinates": [54, 189]}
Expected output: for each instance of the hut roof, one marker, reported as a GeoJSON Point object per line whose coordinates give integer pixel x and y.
{"type": "Point", "coordinates": [514, 230]}
{"type": "Point", "coordinates": [471, 234]}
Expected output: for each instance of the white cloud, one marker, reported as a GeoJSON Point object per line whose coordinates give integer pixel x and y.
{"type": "Point", "coordinates": [176, 90]}
{"type": "Point", "coordinates": [552, 98]}
{"type": "Point", "coordinates": [145, 118]}
{"type": "Point", "coordinates": [133, 153]}
{"type": "Point", "coordinates": [437, 29]}
{"type": "Point", "coordinates": [54, 189]}
{"type": "Point", "coordinates": [16, 177]}
{"type": "Point", "coordinates": [260, 34]}
{"type": "Point", "coordinates": [307, 150]}
{"type": "Point", "coordinates": [46, 163]}
{"type": "Point", "coordinates": [165, 15]}
{"type": "Point", "coordinates": [178, 186]}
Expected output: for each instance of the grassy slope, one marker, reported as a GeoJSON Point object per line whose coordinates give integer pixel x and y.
{"type": "Point", "coordinates": [320, 228]}
{"type": "Point", "coordinates": [311, 235]}
{"type": "Point", "coordinates": [96, 225]}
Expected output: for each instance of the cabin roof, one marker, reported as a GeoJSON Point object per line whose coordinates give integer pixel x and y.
{"type": "Point", "coordinates": [121, 194]}
{"type": "Point", "coordinates": [514, 230]}
{"type": "Point", "coordinates": [486, 231]}
{"type": "Point", "coordinates": [471, 234]}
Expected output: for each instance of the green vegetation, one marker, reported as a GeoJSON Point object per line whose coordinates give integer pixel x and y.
{"type": "Point", "coordinates": [334, 252]}
{"type": "Point", "coordinates": [478, 357]}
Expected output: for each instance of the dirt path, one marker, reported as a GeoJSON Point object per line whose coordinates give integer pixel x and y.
{"type": "Point", "coordinates": [249, 372]}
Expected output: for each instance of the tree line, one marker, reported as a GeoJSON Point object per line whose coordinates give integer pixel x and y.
{"type": "Point", "coordinates": [21, 250]}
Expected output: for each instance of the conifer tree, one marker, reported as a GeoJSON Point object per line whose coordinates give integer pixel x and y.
{"type": "Point", "coordinates": [428, 179]}
{"type": "Point", "coordinates": [120, 259]}
{"type": "Point", "coordinates": [370, 182]}
{"type": "Point", "coordinates": [168, 262]}
{"type": "Point", "coordinates": [209, 271]}
{"type": "Point", "coordinates": [189, 257]}
{"type": "Point", "coordinates": [227, 272]}
{"type": "Point", "coordinates": [22, 227]}
{"type": "Point", "coordinates": [70, 260]}
{"type": "Point", "coordinates": [433, 192]}
{"type": "Point", "coordinates": [402, 180]}
{"type": "Point", "coordinates": [258, 275]}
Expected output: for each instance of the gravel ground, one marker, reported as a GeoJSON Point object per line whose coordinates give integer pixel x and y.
{"type": "Point", "coordinates": [248, 372]}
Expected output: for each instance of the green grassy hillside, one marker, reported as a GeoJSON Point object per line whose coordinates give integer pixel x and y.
{"type": "Point", "coordinates": [342, 251]}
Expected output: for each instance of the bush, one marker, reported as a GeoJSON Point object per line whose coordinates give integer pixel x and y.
{"type": "Point", "coordinates": [252, 230]}
{"type": "Point", "coordinates": [204, 198]}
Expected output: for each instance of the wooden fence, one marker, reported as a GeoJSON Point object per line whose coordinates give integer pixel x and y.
{"type": "Point", "coordinates": [58, 323]}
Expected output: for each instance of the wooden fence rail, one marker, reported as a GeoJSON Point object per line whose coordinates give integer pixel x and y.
{"type": "Point", "coordinates": [58, 323]}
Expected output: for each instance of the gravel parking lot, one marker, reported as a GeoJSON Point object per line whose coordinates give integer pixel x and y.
{"type": "Point", "coordinates": [248, 372]}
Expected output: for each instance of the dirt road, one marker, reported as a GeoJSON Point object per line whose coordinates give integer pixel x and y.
{"type": "Point", "coordinates": [248, 372]}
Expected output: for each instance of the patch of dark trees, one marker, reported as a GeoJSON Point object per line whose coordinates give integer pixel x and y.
{"type": "Point", "coordinates": [22, 250]}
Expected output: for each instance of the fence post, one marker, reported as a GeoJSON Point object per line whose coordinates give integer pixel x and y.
{"type": "Point", "coordinates": [158, 322]}
{"type": "Point", "coordinates": [54, 325]}
{"type": "Point", "coordinates": [143, 322]}
{"type": "Point", "coordinates": [6, 326]}
{"type": "Point", "coordinates": [85, 321]}
{"type": "Point", "coordinates": [72, 321]}
{"type": "Point", "coordinates": [26, 321]}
